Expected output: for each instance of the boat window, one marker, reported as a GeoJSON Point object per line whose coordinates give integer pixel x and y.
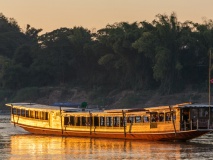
{"type": "Point", "coordinates": [168, 116]}
{"type": "Point", "coordinates": [23, 112]}
{"type": "Point", "coordinates": [137, 119]}
{"type": "Point", "coordinates": [109, 121]}
{"type": "Point", "coordinates": [122, 121]}
{"type": "Point", "coordinates": [130, 119]}
{"type": "Point", "coordinates": [174, 115]}
{"type": "Point", "coordinates": [18, 111]}
{"type": "Point", "coordinates": [44, 115]}
{"type": "Point", "coordinates": [96, 121]}
{"type": "Point", "coordinates": [203, 112]}
{"type": "Point", "coordinates": [37, 114]}
{"type": "Point", "coordinates": [88, 121]}
{"type": "Point", "coordinates": [154, 117]}
{"type": "Point", "coordinates": [102, 120]}
{"type": "Point", "coordinates": [84, 121]}
{"type": "Point", "coordinates": [161, 117]}
{"type": "Point", "coordinates": [116, 121]}
{"type": "Point", "coordinates": [66, 120]}
{"type": "Point", "coordinates": [32, 114]}
{"type": "Point", "coordinates": [78, 121]}
{"type": "Point", "coordinates": [194, 113]}
{"type": "Point", "coordinates": [27, 113]}
{"type": "Point", "coordinates": [14, 111]}
{"type": "Point", "coordinates": [72, 120]}
{"type": "Point", "coordinates": [146, 119]}
{"type": "Point", "coordinates": [185, 115]}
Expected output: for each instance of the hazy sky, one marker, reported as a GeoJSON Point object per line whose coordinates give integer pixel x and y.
{"type": "Point", "coordinates": [53, 14]}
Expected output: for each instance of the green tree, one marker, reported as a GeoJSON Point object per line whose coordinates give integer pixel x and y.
{"type": "Point", "coordinates": [121, 60]}
{"type": "Point", "coordinates": [161, 44]}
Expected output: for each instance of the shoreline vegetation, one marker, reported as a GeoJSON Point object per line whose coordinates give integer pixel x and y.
{"type": "Point", "coordinates": [122, 65]}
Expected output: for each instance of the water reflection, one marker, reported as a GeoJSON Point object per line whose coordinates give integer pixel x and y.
{"type": "Point", "coordinates": [47, 147]}
{"type": "Point", "coordinates": [33, 147]}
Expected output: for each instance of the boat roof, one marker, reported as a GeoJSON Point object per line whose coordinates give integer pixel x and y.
{"type": "Point", "coordinates": [125, 110]}
{"type": "Point", "coordinates": [197, 106]}
{"type": "Point", "coordinates": [167, 106]}
{"type": "Point", "coordinates": [40, 107]}
{"type": "Point", "coordinates": [34, 106]}
{"type": "Point", "coordinates": [66, 104]}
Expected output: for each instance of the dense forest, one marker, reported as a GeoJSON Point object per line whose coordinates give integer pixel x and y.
{"type": "Point", "coordinates": [164, 55]}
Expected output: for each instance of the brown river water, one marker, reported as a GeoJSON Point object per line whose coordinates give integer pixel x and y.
{"type": "Point", "coordinates": [17, 144]}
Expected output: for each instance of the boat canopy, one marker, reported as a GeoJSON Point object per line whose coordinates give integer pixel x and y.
{"type": "Point", "coordinates": [196, 106]}
{"type": "Point", "coordinates": [35, 106]}
{"type": "Point", "coordinates": [125, 110]}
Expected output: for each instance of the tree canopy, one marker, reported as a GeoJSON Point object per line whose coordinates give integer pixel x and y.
{"type": "Point", "coordinates": [165, 54]}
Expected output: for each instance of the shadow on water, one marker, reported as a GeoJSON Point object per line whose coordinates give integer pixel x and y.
{"type": "Point", "coordinates": [16, 144]}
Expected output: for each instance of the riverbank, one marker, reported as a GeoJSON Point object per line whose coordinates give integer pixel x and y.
{"type": "Point", "coordinates": [102, 98]}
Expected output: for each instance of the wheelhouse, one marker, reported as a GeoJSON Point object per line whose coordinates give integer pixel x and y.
{"type": "Point", "coordinates": [195, 116]}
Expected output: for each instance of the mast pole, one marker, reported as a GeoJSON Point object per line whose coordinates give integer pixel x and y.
{"type": "Point", "coordinates": [90, 122]}
{"type": "Point", "coordinates": [124, 124]}
{"type": "Point", "coordinates": [209, 85]}
{"type": "Point", "coordinates": [209, 77]}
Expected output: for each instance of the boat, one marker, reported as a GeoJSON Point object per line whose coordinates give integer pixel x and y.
{"type": "Point", "coordinates": [179, 122]}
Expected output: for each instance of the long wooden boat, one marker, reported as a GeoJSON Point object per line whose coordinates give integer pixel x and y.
{"type": "Point", "coordinates": [177, 122]}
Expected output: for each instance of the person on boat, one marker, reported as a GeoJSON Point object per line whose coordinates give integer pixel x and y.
{"type": "Point", "coordinates": [167, 117]}
{"type": "Point", "coordinates": [185, 117]}
{"type": "Point", "coordinates": [147, 119]}
{"type": "Point", "coordinates": [153, 118]}
{"type": "Point", "coordinates": [156, 118]}
{"type": "Point", "coordinates": [161, 118]}
{"type": "Point", "coordinates": [87, 124]}
{"type": "Point", "coordinates": [206, 113]}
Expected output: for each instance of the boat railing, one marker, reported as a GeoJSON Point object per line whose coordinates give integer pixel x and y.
{"type": "Point", "coordinates": [198, 124]}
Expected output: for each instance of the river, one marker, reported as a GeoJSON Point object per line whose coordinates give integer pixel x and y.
{"type": "Point", "coordinates": [17, 144]}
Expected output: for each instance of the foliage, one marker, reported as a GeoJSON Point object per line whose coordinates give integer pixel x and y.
{"type": "Point", "coordinates": [165, 54]}
{"type": "Point", "coordinates": [27, 95]}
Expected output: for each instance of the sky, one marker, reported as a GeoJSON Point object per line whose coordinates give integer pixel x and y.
{"type": "Point", "coordinates": [96, 14]}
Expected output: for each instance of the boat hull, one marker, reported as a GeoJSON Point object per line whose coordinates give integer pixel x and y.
{"type": "Point", "coordinates": [153, 136]}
